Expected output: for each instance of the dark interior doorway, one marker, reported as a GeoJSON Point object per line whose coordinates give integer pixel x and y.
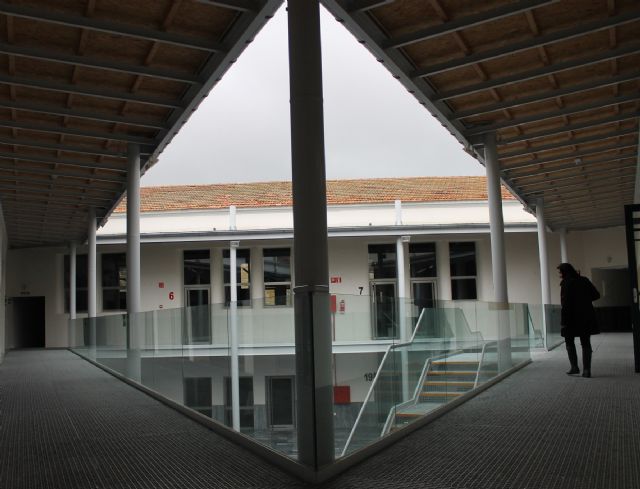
{"type": "Point", "coordinates": [613, 309]}
{"type": "Point", "coordinates": [28, 322]}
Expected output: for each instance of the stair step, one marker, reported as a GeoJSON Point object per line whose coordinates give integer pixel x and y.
{"type": "Point", "coordinates": [427, 395]}
{"type": "Point", "coordinates": [453, 372]}
{"type": "Point", "coordinates": [455, 362]}
{"type": "Point", "coordinates": [457, 383]}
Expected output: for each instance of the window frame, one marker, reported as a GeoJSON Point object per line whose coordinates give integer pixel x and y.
{"type": "Point", "coordinates": [66, 282]}
{"type": "Point", "coordinates": [226, 286]}
{"type": "Point", "coordinates": [121, 290]}
{"type": "Point", "coordinates": [464, 277]}
{"type": "Point", "coordinates": [289, 283]}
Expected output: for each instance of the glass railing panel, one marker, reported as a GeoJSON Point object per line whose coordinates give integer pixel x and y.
{"type": "Point", "coordinates": [553, 319]}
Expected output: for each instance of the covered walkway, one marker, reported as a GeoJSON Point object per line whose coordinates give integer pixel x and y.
{"type": "Point", "coordinates": [66, 424]}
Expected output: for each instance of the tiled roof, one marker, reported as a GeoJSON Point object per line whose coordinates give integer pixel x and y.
{"type": "Point", "coordinates": [278, 194]}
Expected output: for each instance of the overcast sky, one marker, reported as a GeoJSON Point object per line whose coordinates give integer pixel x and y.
{"type": "Point", "coordinates": [373, 127]}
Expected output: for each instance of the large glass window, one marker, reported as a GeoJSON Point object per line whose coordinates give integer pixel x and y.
{"type": "Point", "coordinates": [245, 387]}
{"type": "Point", "coordinates": [382, 261]}
{"type": "Point", "coordinates": [422, 260]}
{"type": "Point", "coordinates": [197, 267]}
{"type": "Point", "coordinates": [114, 281]}
{"type": "Point", "coordinates": [277, 277]}
{"type": "Point", "coordinates": [463, 270]}
{"type": "Point", "coordinates": [82, 294]}
{"type": "Point", "coordinates": [197, 394]}
{"type": "Point", "coordinates": [242, 274]}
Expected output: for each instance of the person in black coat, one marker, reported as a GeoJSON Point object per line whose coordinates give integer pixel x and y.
{"type": "Point", "coordinates": [578, 317]}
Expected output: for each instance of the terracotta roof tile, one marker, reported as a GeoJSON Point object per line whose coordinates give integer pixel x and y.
{"type": "Point", "coordinates": [278, 194]}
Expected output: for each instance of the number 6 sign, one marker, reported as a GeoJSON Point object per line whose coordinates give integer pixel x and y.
{"type": "Point", "coordinates": [171, 296]}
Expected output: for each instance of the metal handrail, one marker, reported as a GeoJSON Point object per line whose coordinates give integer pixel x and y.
{"type": "Point", "coordinates": [375, 380]}
{"type": "Point", "coordinates": [484, 349]}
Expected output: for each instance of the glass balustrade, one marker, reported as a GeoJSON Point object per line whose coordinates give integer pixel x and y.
{"type": "Point", "coordinates": [391, 363]}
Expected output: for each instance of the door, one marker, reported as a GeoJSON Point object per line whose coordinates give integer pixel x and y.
{"type": "Point", "coordinates": [632, 223]}
{"type": "Point", "coordinates": [423, 294]}
{"type": "Point", "coordinates": [197, 315]}
{"type": "Point", "coordinates": [280, 399]}
{"type": "Point", "coordinates": [383, 297]}
{"type": "Point", "coordinates": [28, 322]}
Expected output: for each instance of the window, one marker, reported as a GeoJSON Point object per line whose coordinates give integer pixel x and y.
{"type": "Point", "coordinates": [462, 258]}
{"type": "Point", "coordinates": [197, 394]}
{"type": "Point", "coordinates": [114, 282]}
{"type": "Point", "coordinates": [382, 261]}
{"type": "Point", "coordinates": [422, 260]}
{"type": "Point", "coordinates": [277, 277]}
{"type": "Point", "coordinates": [245, 386]}
{"type": "Point", "coordinates": [242, 274]}
{"type": "Point", "coordinates": [82, 294]}
{"type": "Point", "coordinates": [197, 267]}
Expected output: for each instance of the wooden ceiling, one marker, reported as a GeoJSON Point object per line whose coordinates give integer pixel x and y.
{"type": "Point", "coordinates": [82, 79]}
{"type": "Point", "coordinates": [556, 81]}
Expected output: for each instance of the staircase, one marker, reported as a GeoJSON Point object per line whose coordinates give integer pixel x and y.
{"type": "Point", "coordinates": [445, 379]}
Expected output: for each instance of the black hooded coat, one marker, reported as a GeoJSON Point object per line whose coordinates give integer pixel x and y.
{"type": "Point", "coordinates": [578, 317]}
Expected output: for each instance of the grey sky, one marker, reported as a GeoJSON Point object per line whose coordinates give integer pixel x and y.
{"type": "Point", "coordinates": [373, 126]}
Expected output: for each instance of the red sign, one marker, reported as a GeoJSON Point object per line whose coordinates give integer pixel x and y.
{"type": "Point", "coordinates": [336, 280]}
{"type": "Point", "coordinates": [333, 303]}
{"type": "Point", "coordinates": [342, 394]}
{"type": "Point", "coordinates": [161, 285]}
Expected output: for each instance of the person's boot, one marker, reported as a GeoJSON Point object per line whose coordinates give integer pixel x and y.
{"type": "Point", "coordinates": [586, 363]}
{"type": "Point", "coordinates": [573, 359]}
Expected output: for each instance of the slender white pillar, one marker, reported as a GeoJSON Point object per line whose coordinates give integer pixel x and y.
{"type": "Point", "coordinates": [498, 258]}
{"type": "Point", "coordinates": [403, 324]}
{"type": "Point", "coordinates": [496, 222]}
{"type": "Point", "coordinates": [72, 281]}
{"type": "Point", "coordinates": [92, 280]}
{"type": "Point", "coordinates": [314, 380]}
{"type": "Point", "coordinates": [443, 263]}
{"type": "Point", "coordinates": [135, 321]}
{"type": "Point", "coordinates": [233, 337]}
{"type": "Point", "coordinates": [92, 283]}
{"type": "Point", "coordinates": [232, 218]}
{"type": "Point", "coordinates": [564, 256]}
{"type": "Point", "coordinates": [133, 229]}
{"type": "Point", "coordinates": [72, 332]}
{"type": "Point", "coordinates": [544, 266]}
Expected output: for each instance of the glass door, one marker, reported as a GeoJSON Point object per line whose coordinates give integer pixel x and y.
{"type": "Point", "coordinates": [423, 294]}
{"type": "Point", "coordinates": [383, 297]}
{"type": "Point", "coordinates": [197, 315]}
{"type": "Point", "coordinates": [632, 223]}
{"type": "Point", "coordinates": [280, 400]}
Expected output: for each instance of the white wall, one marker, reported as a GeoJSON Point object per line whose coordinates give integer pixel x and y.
{"type": "Point", "coordinates": [413, 213]}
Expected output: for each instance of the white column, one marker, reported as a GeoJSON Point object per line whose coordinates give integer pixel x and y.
{"type": "Point", "coordinates": [564, 256]}
{"type": "Point", "coordinates": [233, 337]}
{"type": "Point", "coordinates": [496, 222]}
{"type": "Point", "coordinates": [314, 380]}
{"type": "Point", "coordinates": [72, 330]}
{"type": "Point", "coordinates": [92, 283]}
{"type": "Point", "coordinates": [443, 265]}
{"type": "Point", "coordinates": [133, 229]}
{"type": "Point", "coordinates": [403, 325]}
{"type": "Point", "coordinates": [72, 281]}
{"type": "Point", "coordinates": [498, 258]}
{"type": "Point", "coordinates": [135, 321]}
{"type": "Point", "coordinates": [232, 218]}
{"type": "Point", "coordinates": [544, 266]}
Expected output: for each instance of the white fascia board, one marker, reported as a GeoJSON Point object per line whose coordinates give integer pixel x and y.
{"type": "Point", "coordinates": [273, 234]}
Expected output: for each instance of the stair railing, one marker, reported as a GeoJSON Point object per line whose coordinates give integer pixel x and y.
{"type": "Point", "coordinates": [484, 349]}
{"type": "Point", "coordinates": [377, 376]}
